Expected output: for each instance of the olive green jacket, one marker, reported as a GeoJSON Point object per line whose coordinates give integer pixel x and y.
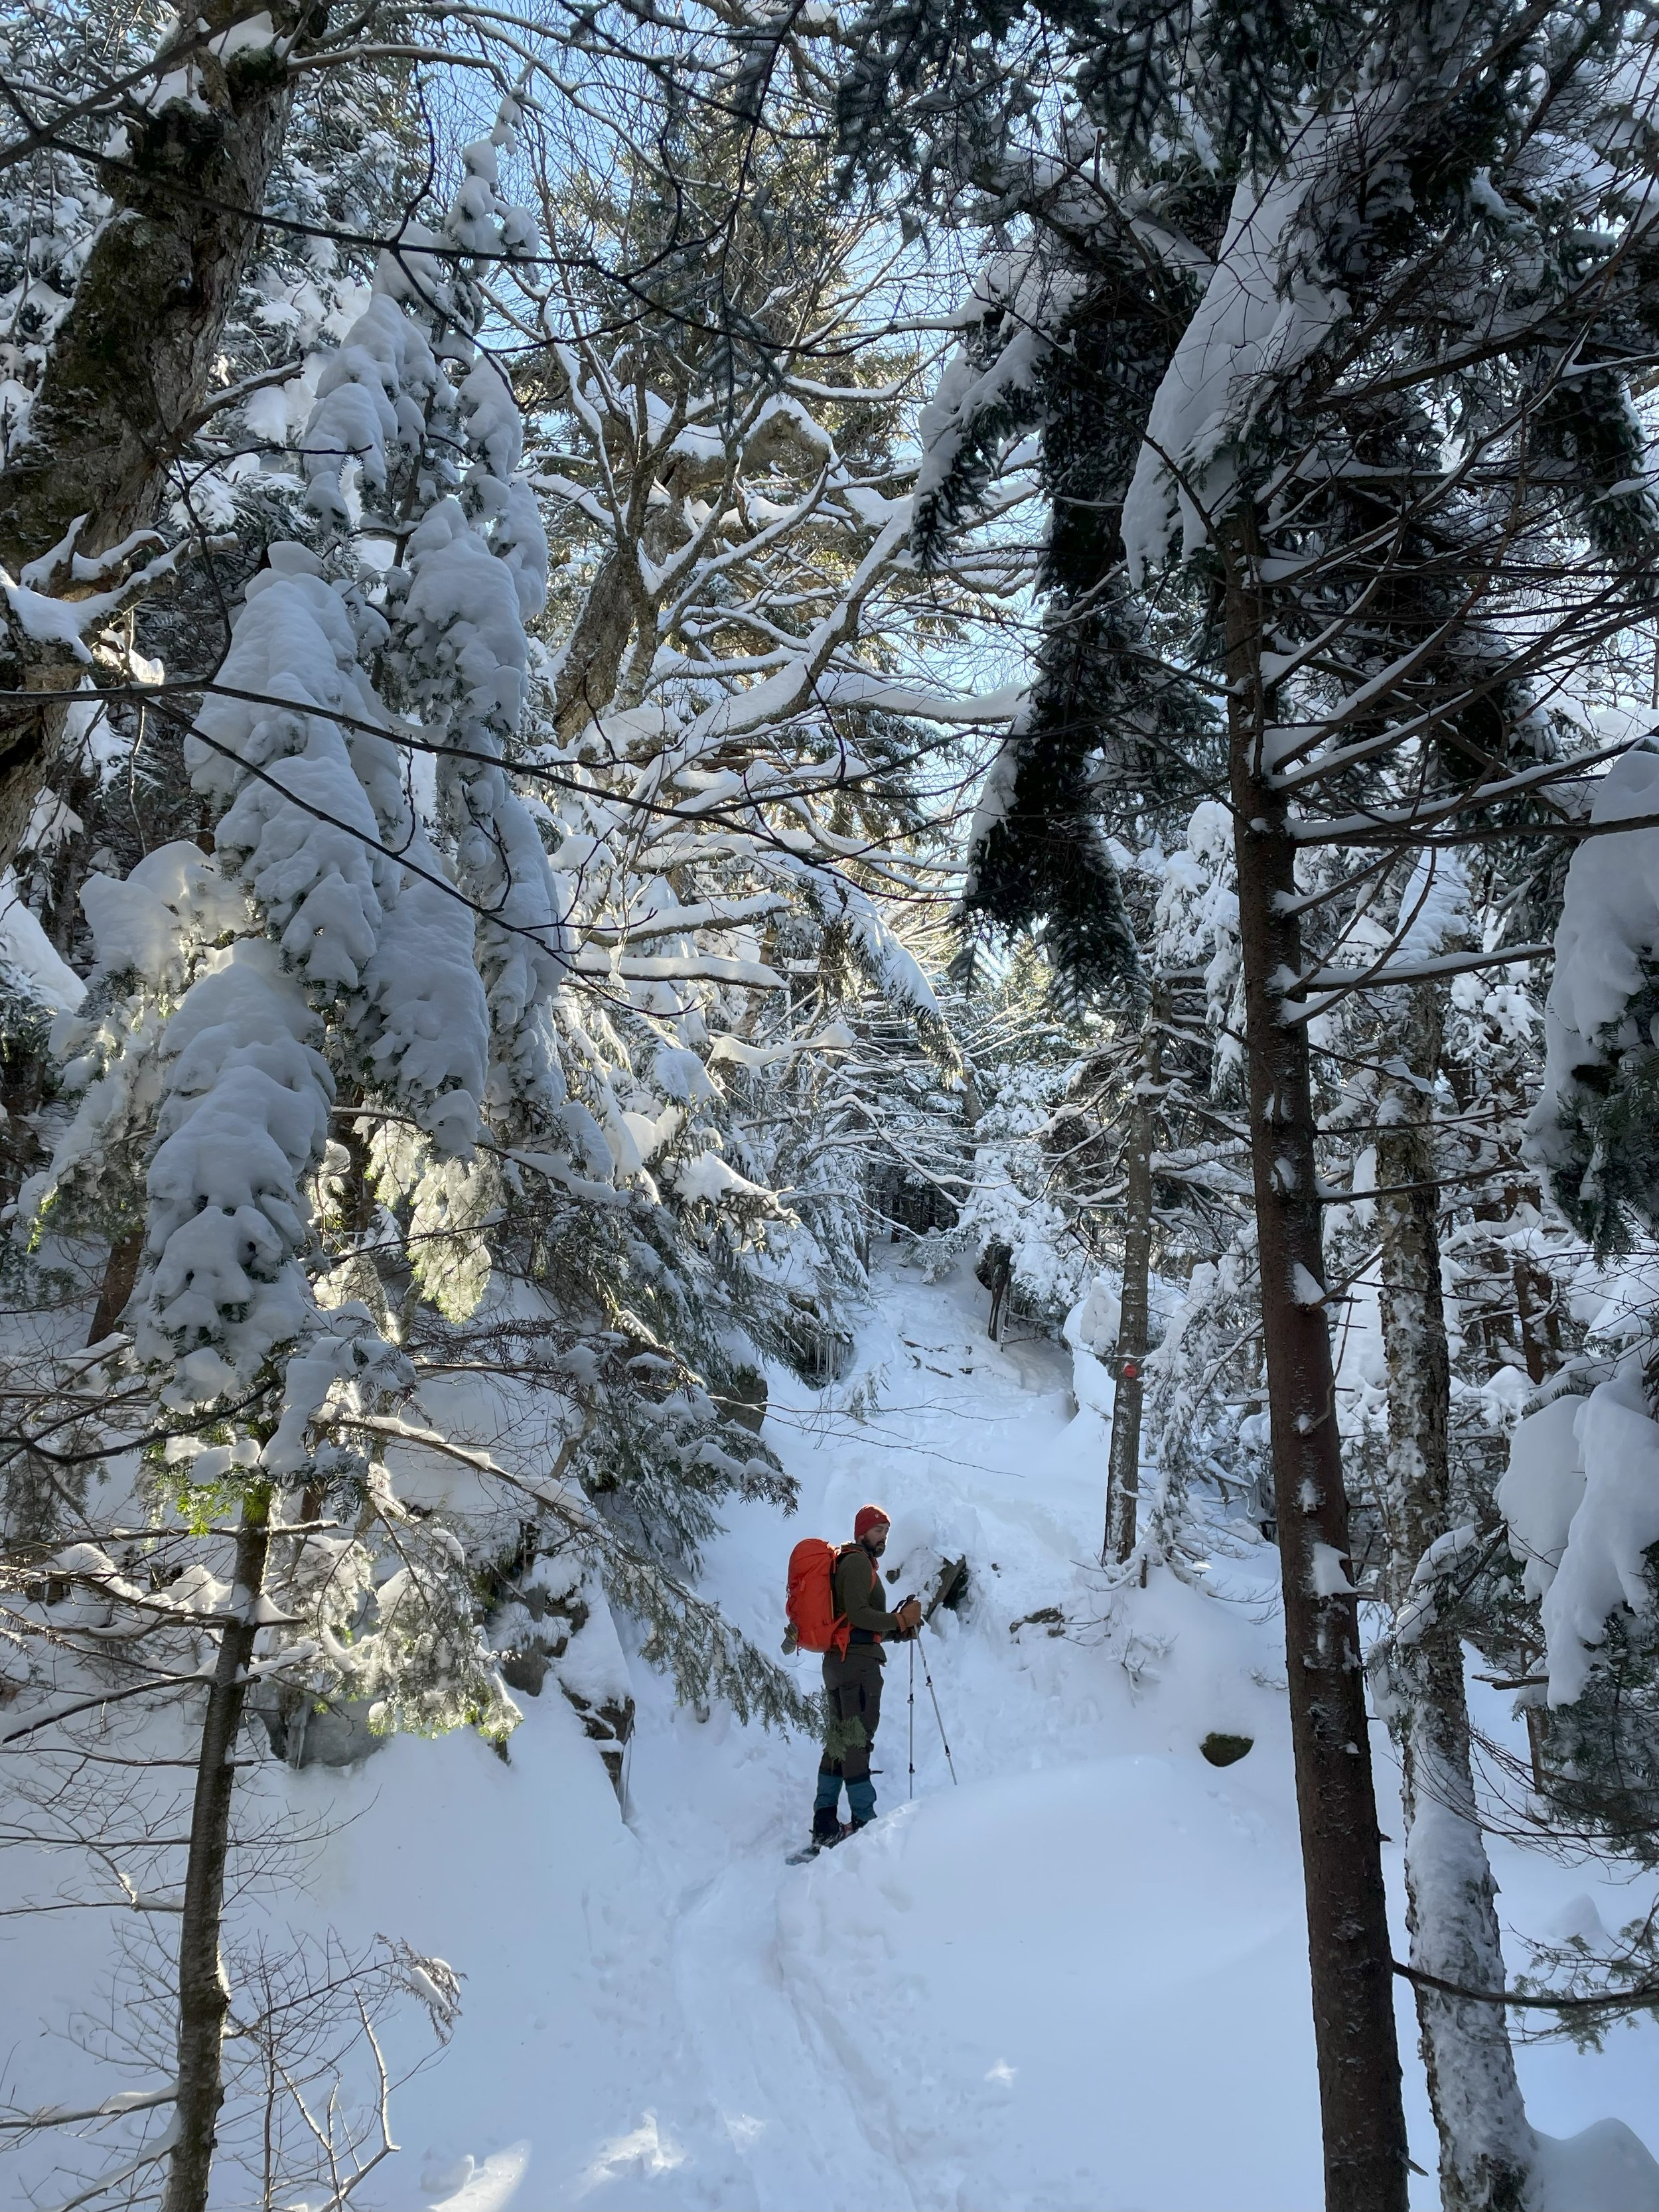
{"type": "Point", "coordinates": [859, 1594]}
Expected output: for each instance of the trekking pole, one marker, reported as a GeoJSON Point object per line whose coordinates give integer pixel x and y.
{"type": "Point", "coordinates": [939, 1717]}
{"type": "Point", "coordinates": [913, 1717]}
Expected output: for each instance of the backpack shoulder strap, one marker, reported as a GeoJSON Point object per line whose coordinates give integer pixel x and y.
{"type": "Point", "coordinates": [841, 1552]}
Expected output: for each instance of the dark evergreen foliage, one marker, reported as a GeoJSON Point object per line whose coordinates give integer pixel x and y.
{"type": "Point", "coordinates": [1605, 1177]}
{"type": "Point", "coordinates": [1602, 1756]}
{"type": "Point", "coordinates": [1115, 738]}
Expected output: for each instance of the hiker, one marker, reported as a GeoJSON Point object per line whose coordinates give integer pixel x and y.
{"type": "Point", "coordinates": [852, 1679]}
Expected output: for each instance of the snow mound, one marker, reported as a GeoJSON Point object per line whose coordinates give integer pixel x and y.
{"type": "Point", "coordinates": [1605, 2167]}
{"type": "Point", "coordinates": [491, 2186]}
{"type": "Point", "coordinates": [1580, 1499]}
{"type": "Point", "coordinates": [25, 949]}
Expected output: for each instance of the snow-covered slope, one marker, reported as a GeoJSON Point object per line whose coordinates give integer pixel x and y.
{"type": "Point", "coordinates": [1075, 1980]}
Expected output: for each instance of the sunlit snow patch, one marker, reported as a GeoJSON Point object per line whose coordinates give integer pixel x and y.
{"type": "Point", "coordinates": [647, 2150]}
{"type": "Point", "coordinates": [492, 2186]}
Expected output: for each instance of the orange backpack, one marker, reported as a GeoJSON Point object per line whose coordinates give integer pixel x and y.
{"type": "Point", "coordinates": [810, 1602]}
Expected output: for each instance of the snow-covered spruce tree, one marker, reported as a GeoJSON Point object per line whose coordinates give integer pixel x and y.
{"type": "Point", "coordinates": [1568, 1616]}
{"type": "Point", "coordinates": [1581, 1639]}
{"type": "Point", "coordinates": [1350, 641]}
{"type": "Point", "coordinates": [615, 1330]}
{"type": "Point", "coordinates": [349, 944]}
{"type": "Point", "coordinates": [654, 1429]}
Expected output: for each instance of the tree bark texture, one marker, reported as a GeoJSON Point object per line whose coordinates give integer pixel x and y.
{"type": "Point", "coordinates": [1128, 1367]}
{"type": "Point", "coordinates": [204, 1996]}
{"type": "Point", "coordinates": [120, 1274]}
{"type": "Point", "coordinates": [129, 367]}
{"type": "Point", "coordinates": [585, 682]}
{"type": "Point", "coordinates": [1362, 2118]}
{"type": "Point", "coordinates": [1486, 2147]}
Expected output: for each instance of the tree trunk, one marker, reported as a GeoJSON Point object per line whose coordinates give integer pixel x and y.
{"type": "Point", "coordinates": [203, 1997]}
{"type": "Point", "coordinates": [1123, 1464]}
{"type": "Point", "coordinates": [120, 1272]}
{"type": "Point", "coordinates": [1362, 2118]}
{"type": "Point", "coordinates": [1486, 2147]}
{"type": "Point", "coordinates": [1532, 1314]}
{"type": "Point", "coordinates": [128, 367]}
{"type": "Point", "coordinates": [588, 667]}
{"type": "Point", "coordinates": [1000, 1261]}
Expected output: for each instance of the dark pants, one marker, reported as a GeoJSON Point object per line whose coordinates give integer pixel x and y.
{"type": "Point", "coordinates": [853, 1690]}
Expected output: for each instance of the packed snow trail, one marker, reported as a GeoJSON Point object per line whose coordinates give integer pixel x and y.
{"type": "Point", "coordinates": [1077, 1983]}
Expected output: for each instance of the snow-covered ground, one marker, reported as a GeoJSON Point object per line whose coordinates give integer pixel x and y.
{"type": "Point", "coordinates": [1076, 1980]}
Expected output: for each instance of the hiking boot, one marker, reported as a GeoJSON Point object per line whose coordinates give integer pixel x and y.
{"type": "Point", "coordinates": [826, 1825]}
